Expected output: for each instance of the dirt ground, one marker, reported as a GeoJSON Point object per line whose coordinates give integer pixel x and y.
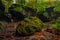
{"type": "Point", "coordinates": [8, 34]}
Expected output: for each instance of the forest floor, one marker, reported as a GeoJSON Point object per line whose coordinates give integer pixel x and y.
{"type": "Point", "coordinates": [8, 34]}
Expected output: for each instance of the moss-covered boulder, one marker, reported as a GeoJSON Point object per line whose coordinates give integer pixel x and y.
{"type": "Point", "coordinates": [29, 25]}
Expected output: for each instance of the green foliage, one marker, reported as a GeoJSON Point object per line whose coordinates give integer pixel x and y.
{"type": "Point", "coordinates": [30, 25]}
{"type": "Point", "coordinates": [57, 8]}
{"type": "Point", "coordinates": [7, 4]}
{"type": "Point", "coordinates": [20, 2]}
{"type": "Point", "coordinates": [18, 8]}
{"type": "Point", "coordinates": [56, 25]}
{"type": "Point", "coordinates": [40, 5]}
{"type": "Point", "coordinates": [31, 3]}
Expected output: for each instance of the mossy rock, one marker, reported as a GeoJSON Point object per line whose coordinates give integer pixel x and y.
{"type": "Point", "coordinates": [29, 25]}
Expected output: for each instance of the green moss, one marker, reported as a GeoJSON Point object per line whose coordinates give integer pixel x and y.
{"type": "Point", "coordinates": [30, 25]}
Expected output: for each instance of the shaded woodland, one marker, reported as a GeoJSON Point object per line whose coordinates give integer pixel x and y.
{"type": "Point", "coordinates": [21, 19]}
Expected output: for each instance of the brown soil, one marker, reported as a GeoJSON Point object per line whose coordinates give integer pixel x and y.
{"type": "Point", "coordinates": [8, 34]}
